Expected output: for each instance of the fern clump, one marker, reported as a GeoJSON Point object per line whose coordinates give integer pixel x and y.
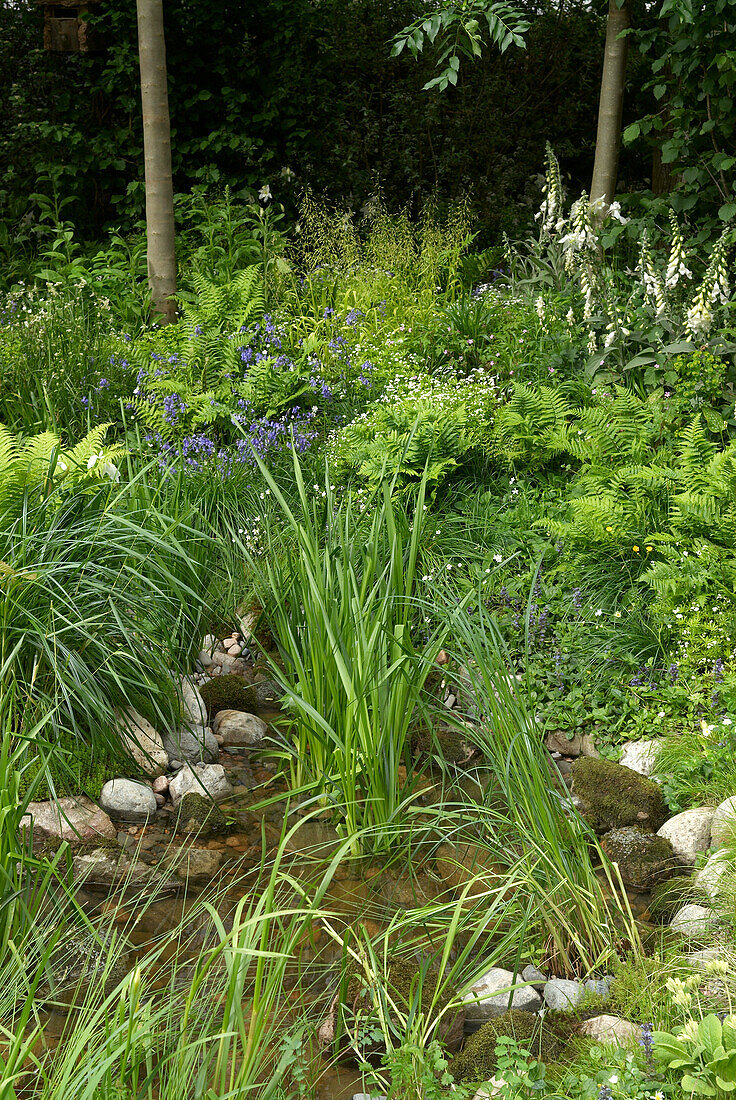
{"type": "Point", "coordinates": [34, 469]}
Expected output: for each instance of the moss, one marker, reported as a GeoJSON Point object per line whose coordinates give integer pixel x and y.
{"type": "Point", "coordinates": [613, 796]}
{"type": "Point", "coordinates": [80, 770]}
{"type": "Point", "coordinates": [226, 693]}
{"type": "Point", "coordinates": [544, 1039]}
{"type": "Point", "coordinates": [404, 982]}
{"type": "Point", "coordinates": [644, 859]}
{"type": "Point", "coordinates": [445, 742]}
{"type": "Point", "coordinates": [200, 815]}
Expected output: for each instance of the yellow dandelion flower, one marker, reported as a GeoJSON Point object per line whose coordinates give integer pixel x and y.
{"type": "Point", "coordinates": [609, 529]}
{"type": "Point", "coordinates": [650, 548]}
{"type": "Point", "coordinates": [636, 549]}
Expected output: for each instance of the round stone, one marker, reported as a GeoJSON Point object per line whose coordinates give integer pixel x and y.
{"type": "Point", "coordinates": [689, 832]}
{"type": "Point", "coordinates": [128, 800]}
{"type": "Point", "coordinates": [694, 922]}
{"type": "Point", "coordinates": [723, 825]}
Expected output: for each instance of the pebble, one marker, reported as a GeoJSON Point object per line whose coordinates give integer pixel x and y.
{"type": "Point", "coordinates": [489, 996]}
{"type": "Point", "coordinates": [611, 1029]}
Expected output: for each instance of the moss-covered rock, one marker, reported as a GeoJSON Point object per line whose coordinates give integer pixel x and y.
{"type": "Point", "coordinates": [545, 1039]}
{"type": "Point", "coordinates": [644, 859]}
{"type": "Point", "coordinates": [612, 796]}
{"type": "Point", "coordinates": [356, 1007]}
{"type": "Point", "coordinates": [200, 815]}
{"type": "Point", "coordinates": [230, 692]}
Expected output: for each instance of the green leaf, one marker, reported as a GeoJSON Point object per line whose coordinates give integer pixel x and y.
{"type": "Point", "coordinates": [631, 133]}
{"type": "Point", "coordinates": [727, 211]}
{"type": "Point", "coordinates": [700, 1088]}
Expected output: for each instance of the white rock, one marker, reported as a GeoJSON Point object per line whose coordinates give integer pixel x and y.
{"type": "Point", "coordinates": [611, 1029]}
{"type": "Point", "coordinates": [562, 994]}
{"type": "Point", "coordinates": [106, 866]}
{"type": "Point", "coordinates": [694, 922]}
{"type": "Point", "coordinates": [485, 999]}
{"type": "Point", "coordinates": [143, 742]}
{"type": "Point", "coordinates": [723, 825]}
{"type": "Point", "coordinates": [640, 756]}
{"type": "Point", "coordinates": [193, 710]}
{"type": "Point", "coordinates": [205, 779]}
{"type": "Point", "coordinates": [160, 785]}
{"type": "Point", "coordinates": [236, 727]}
{"type": "Point", "coordinates": [689, 832]}
{"type": "Point", "coordinates": [709, 878]}
{"type": "Point", "coordinates": [127, 800]}
{"type": "Point", "coordinates": [73, 819]}
{"type": "Point", "coordinates": [700, 960]}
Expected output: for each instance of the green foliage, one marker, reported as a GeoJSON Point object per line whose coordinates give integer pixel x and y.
{"type": "Point", "coordinates": [511, 1034]}
{"type": "Point", "coordinates": [456, 29]}
{"type": "Point", "coordinates": [36, 470]}
{"type": "Point", "coordinates": [690, 49]}
{"type": "Point", "coordinates": [704, 1053]}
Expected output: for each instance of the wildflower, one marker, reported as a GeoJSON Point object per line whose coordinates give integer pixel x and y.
{"type": "Point", "coordinates": [288, 175]}
{"type": "Point", "coordinates": [264, 194]}
{"type": "Point", "coordinates": [617, 614]}
{"type": "Point", "coordinates": [498, 557]}
{"type": "Point", "coordinates": [609, 529]}
{"type": "Point", "coordinates": [636, 549]}
{"type": "Point", "coordinates": [648, 548]}
{"type": "Point", "coordinates": [598, 613]}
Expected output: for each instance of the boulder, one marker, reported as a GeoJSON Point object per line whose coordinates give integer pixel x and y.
{"type": "Point", "coordinates": [709, 877]}
{"type": "Point", "coordinates": [641, 756]}
{"type": "Point", "coordinates": [143, 742]}
{"type": "Point", "coordinates": [723, 824]}
{"type": "Point", "coordinates": [611, 1030]}
{"type": "Point", "coordinates": [694, 922]}
{"type": "Point", "coordinates": [489, 996]}
{"type": "Point", "coordinates": [202, 779]}
{"type": "Point", "coordinates": [611, 796]}
{"type": "Point", "coordinates": [558, 741]}
{"type": "Point", "coordinates": [689, 833]}
{"type": "Point", "coordinates": [109, 867]}
{"type": "Point", "coordinates": [193, 864]}
{"type": "Point", "coordinates": [194, 744]}
{"type": "Point", "coordinates": [644, 859]}
{"type": "Point", "coordinates": [230, 692]}
{"type": "Point", "coordinates": [193, 710]}
{"type": "Point", "coordinates": [236, 727]}
{"type": "Point", "coordinates": [76, 820]}
{"type": "Point", "coordinates": [563, 995]}
{"type": "Point", "coordinates": [128, 800]}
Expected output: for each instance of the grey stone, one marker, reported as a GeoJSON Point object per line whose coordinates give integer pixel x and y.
{"type": "Point", "coordinates": [562, 994]}
{"type": "Point", "coordinates": [127, 800]}
{"type": "Point", "coordinates": [536, 977]}
{"type": "Point", "coordinates": [710, 877]}
{"type": "Point", "coordinates": [689, 833]}
{"type": "Point", "coordinates": [193, 863]}
{"type": "Point", "coordinates": [197, 744]}
{"type": "Point", "coordinates": [611, 1029]}
{"type": "Point", "coordinates": [236, 727]}
{"type": "Point", "coordinates": [485, 998]}
{"type": "Point", "coordinates": [76, 820]}
{"type": "Point", "coordinates": [143, 742]}
{"type": "Point", "coordinates": [694, 922]}
{"type": "Point", "coordinates": [106, 867]}
{"type": "Point", "coordinates": [205, 658]}
{"type": "Point", "coordinates": [723, 824]}
{"type": "Point", "coordinates": [160, 785]}
{"type": "Point", "coordinates": [641, 755]}
{"type": "Point", "coordinates": [204, 779]}
{"type": "Point", "coordinates": [193, 709]}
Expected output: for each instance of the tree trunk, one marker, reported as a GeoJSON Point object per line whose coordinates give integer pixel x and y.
{"type": "Point", "coordinates": [157, 153]}
{"type": "Point", "coordinates": [610, 108]}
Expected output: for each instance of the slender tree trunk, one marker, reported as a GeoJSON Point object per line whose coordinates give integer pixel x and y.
{"type": "Point", "coordinates": [157, 152]}
{"type": "Point", "coordinates": [610, 108]}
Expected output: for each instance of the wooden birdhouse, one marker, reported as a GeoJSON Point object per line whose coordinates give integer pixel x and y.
{"type": "Point", "coordinates": [65, 26]}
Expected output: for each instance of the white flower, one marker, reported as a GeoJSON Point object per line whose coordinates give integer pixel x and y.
{"type": "Point", "coordinates": [498, 557]}
{"type": "Point", "coordinates": [62, 466]}
{"type": "Point", "coordinates": [265, 193]}
{"type": "Point", "coordinates": [598, 613]}
{"type": "Point", "coordinates": [613, 1079]}
{"type": "Point", "coordinates": [94, 459]}
{"type": "Point", "coordinates": [614, 211]}
{"type": "Point", "coordinates": [660, 714]}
